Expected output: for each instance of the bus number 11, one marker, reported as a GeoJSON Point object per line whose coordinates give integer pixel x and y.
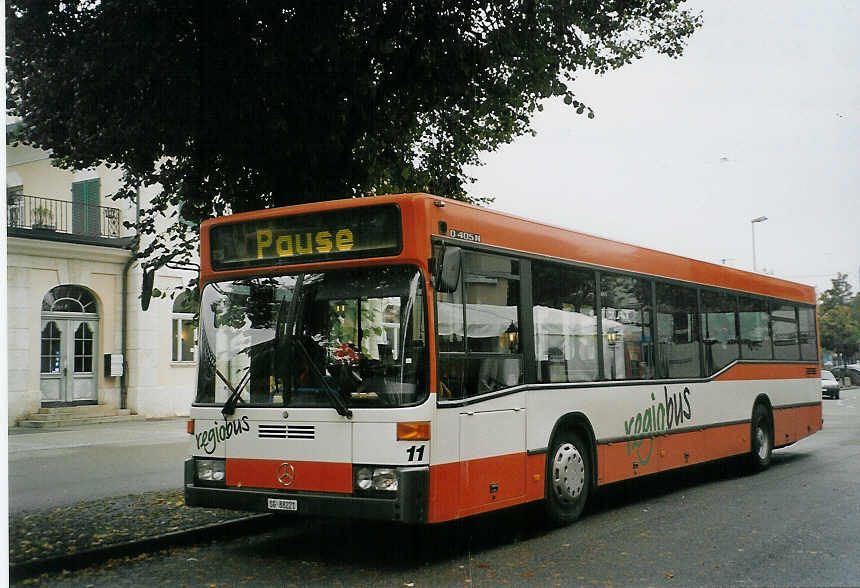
{"type": "Point", "coordinates": [416, 451]}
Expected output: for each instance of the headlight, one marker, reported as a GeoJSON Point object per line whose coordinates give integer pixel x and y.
{"type": "Point", "coordinates": [375, 479]}
{"type": "Point", "coordinates": [210, 470]}
{"type": "Point", "coordinates": [364, 478]}
{"type": "Point", "coordinates": [385, 479]}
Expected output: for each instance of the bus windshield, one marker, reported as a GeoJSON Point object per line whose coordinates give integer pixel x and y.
{"type": "Point", "coordinates": [342, 338]}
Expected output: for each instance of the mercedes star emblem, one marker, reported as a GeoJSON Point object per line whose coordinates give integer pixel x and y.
{"type": "Point", "coordinates": [286, 474]}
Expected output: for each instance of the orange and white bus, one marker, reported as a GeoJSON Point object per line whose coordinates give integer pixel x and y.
{"type": "Point", "coordinates": [418, 359]}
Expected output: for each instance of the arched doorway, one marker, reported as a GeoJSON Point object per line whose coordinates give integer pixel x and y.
{"type": "Point", "coordinates": [69, 347]}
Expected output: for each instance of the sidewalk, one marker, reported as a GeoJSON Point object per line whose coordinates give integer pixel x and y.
{"type": "Point", "coordinates": [75, 514]}
{"type": "Point", "coordinates": [97, 524]}
{"type": "Point", "coordinates": [165, 429]}
{"type": "Point", "coordinates": [50, 468]}
{"type": "Point", "coordinates": [81, 520]}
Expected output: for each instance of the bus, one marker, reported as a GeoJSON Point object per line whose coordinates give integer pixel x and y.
{"type": "Point", "coordinates": [418, 359]}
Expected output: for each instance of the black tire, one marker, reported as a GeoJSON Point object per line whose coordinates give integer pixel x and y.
{"type": "Point", "coordinates": [836, 396]}
{"type": "Point", "coordinates": [568, 477]}
{"type": "Point", "coordinates": [761, 439]}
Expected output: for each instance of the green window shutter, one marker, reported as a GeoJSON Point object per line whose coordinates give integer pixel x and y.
{"type": "Point", "coordinates": [93, 191]}
{"type": "Point", "coordinates": [86, 199]}
{"type": "Point", "coordinates": [79, 192]}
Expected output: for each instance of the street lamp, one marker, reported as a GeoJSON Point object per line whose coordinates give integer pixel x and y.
{"type": "Point", "coordinates": [759, 219]}
{"type": "Point", "coordinates": [612, 338]}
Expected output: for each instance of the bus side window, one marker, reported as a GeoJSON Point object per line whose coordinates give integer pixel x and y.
{"type": "Point", "coordinates": [565, 323]}
{"type": "Point", "coordinates": [627, 335]}
{"type": "Point", "coordinates": [678, 329]}
{"type": "Point", "coordinates": [492, 302]}
{"type": "Point", "coordinates": [478, 328]}
{"type": "Point", "coordinates": [783, 320]}
{"type": "Point", "coordinates": [719, 333]}
{"type": "Point", "coordinates": [808, 337]}
{"type": "Point", "coordinates": [755, 328]}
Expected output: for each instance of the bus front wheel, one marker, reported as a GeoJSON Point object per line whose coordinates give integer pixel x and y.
{"type": "Point", "coordinates": [568, 478]}
{"type": "Point", "coordinates": [761, 444]}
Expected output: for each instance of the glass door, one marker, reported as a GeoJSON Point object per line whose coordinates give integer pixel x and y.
{"type": "Point", "coordinates": [68, 360]}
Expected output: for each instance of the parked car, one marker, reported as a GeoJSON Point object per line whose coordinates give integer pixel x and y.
{"type": "Point", "coordinates": [852, 371]}
{"type": "Point", "coordinates": [829, 386]}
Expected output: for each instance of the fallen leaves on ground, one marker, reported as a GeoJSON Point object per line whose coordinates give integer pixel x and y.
{"type": "Point", "coordinates": [35, 535]}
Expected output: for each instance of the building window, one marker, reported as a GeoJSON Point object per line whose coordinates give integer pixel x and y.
{"type": "Point", "coordinates": [15, 206]}
{"type": "Point", "coordinates": [184, 328]}
{"type": "Point", "coordinates": [51, 338]}
{"type": "Point", "coordinates": [68, 299]}
{"type": "Point", "coordinates": [83, 349]}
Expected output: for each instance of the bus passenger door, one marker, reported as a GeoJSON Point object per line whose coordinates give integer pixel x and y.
{"type": "Point", "coordinates": [492, 458]}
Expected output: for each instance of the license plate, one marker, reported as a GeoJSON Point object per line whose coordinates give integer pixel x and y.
{"type": "Point", "coordinates": [283, 504]}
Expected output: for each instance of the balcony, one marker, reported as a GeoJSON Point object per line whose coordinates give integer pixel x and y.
{"type": "Point", "coordinates": [60, 220]}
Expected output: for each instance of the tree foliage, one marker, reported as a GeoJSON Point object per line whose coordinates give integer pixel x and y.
{"type": "Point", "coordinates": [232, 105]}
{"type": "Point", "coordinates": [839, 317]}
{"type": "Point", "coordinates": [839, 294]}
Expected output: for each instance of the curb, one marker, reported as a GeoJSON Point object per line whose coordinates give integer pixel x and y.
{"type": "Point", "coordinates": [35, 567]}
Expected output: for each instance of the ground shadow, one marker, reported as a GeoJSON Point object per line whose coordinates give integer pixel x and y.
{"type": "Point", "coordinates": [653, 486]}
{"type": "Point", "coordinates": [392, 546]}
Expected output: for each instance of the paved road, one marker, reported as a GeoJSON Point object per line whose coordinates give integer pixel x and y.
{"type": "Point", "coordinates": [795, 524]}
{"type": "Point", "coordinates": [55, 467]}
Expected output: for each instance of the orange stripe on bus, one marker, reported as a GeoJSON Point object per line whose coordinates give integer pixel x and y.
{"type": "Point", "coordinates": [767, 371]}
{"type": "Point", "coordinates": [628, 459]}
{"type": "Point", "coordinates": [508, 231]}
{"type": "Point", "coordinates": [792, 424]}
{"type": "Point", "coordinates": [308, 475]}
{"type": "Point", "coordinates": [463, 489]}
{"type": "Point", "coordinates": [444, 492]}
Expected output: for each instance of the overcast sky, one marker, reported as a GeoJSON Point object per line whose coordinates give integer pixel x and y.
{"type": "Point", "coordinates": [759, 117]}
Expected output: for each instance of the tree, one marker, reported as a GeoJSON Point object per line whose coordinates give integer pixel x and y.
{"type": "Point", "coordinates": [839, 294]}
{"type": "Point", "coordinates": [855, 308]}
{"type": "Point", "coordinates": [839, 332]}
{"type": "Point", "coordinates": [839, 319]}
{"type": "Point", "coordinates": [233, 105]}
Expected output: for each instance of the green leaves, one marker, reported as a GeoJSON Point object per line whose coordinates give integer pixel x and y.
{"type": "Point", "coordinates": [237, 106]}
{"type": "Point", "coordinates": [839, 317]}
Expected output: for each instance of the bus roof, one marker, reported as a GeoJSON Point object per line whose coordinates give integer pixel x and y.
{"type": "Point", "coordinates": [474, 225]}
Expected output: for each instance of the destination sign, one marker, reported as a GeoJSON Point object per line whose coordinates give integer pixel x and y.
{"type": "Point", "coordinates": [367, 231]}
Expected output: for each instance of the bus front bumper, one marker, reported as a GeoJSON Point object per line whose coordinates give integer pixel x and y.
{"type": "Point", "coordinates": [409, 506]}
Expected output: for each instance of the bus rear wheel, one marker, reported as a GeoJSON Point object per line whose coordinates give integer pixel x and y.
{"type": "Point", "coordinates": [568, 478]}
{"type": "Point", "coordinates": [761, 440]}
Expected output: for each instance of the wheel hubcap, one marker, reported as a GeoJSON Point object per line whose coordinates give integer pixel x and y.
{"type": "Point", "coordinates": [763, 442]}
{"type": "Point", "coordinates": [568, 473]}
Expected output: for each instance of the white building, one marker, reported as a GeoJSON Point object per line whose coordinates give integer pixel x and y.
{"type": "Point", "coordinates": [73, 301]}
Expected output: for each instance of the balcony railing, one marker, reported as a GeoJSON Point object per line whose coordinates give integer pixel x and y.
{"type": "Point", "coordinates": [47, 215]}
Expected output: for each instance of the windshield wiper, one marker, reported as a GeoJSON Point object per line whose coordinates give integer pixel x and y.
{"type": "Point", "coordinates": [290, 339]}
{"type": "Point", "coordinates": [336, 401]}
{"type": "Point", "coordinates": [235, 393]}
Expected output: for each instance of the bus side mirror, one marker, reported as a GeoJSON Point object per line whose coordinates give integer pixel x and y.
{"type": "Point", "coordinates": [448, 269]}
{"type": "Point", "coordinates": [146, 288]}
